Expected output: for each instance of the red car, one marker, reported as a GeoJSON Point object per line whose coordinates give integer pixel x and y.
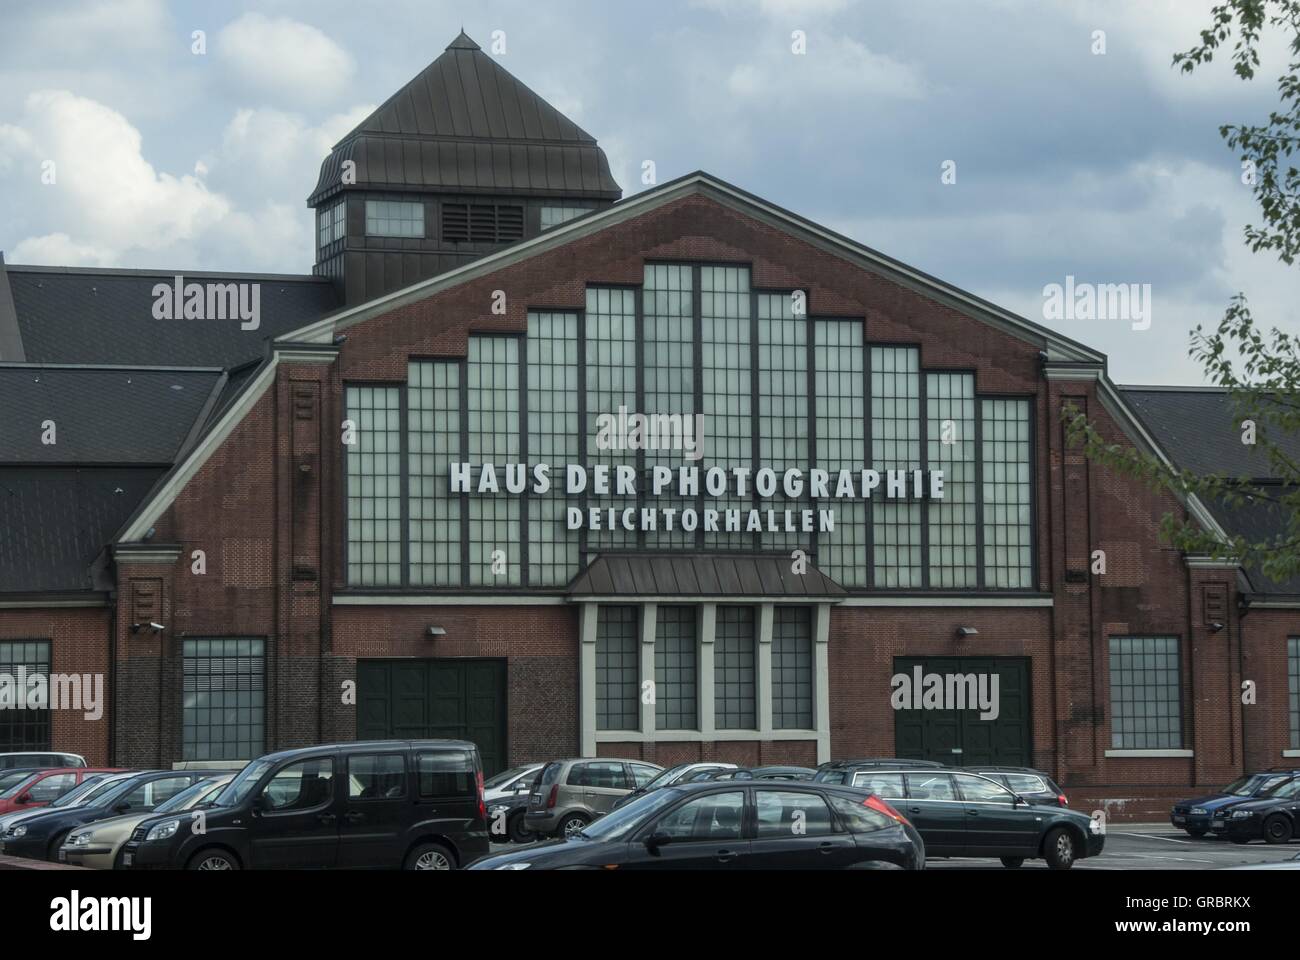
{"type": "Point", "coordinates": [43, 787]}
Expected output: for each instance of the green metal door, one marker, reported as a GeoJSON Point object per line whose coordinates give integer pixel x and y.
{"type": "Point", "coordinates": [417, 699]}
{"type": "Point", "coordinates": [960, 737]}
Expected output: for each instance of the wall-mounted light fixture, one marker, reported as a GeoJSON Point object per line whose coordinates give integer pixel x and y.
{"type": "Point", "coordinates": [1215, 627]}
{"type": "Point", "coordinates": [434, 631]}
{"type": "Point", "coordinates": [155, 627]}
{"type": "Point", "coordinates": [965, 633]}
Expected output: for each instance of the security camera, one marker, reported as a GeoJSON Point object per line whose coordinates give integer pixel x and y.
{"type": "Point", "coordinates": [156, 626]}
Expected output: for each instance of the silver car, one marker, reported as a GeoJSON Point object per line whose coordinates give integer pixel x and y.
{"type": "Point", "coordinates": [570, 794]}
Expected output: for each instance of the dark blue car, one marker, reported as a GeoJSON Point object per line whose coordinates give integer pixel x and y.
{"type": "Point", "coordinates": [1196, 816]}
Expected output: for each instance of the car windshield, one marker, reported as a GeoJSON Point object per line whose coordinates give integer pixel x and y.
{"type": "Point", "coordinates": [243, 784]}
{"type": "Point", "coordinates": [77, 794]}
{"type": "Point", "coordinates": [618, 824]}
{"type": "Point", "coordinates": [182, 800]}
{"type": "Point", "coordinates": [1246, 786]}
{"type": "Point", "coordinates": [664, 777]}
{"type": "Point", "coordinates": [503, 778]}
{"type": "Point", "coordinates": [7, 780]}
{"type": "Point", "coordinates": [20, 786]}
{"type": "Point", "coordinates": [1284, 790]}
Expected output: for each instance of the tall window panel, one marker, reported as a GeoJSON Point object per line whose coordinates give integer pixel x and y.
{"type": "Point", "coordinates": [374, 478]}
{"type": "Point", "coordinates": [676, 656]}
{"type": "Point", "coordinates": [433, 444]}
{"type": "Point", "coordinates": [23, 730]}
{"type": "Point", "coordinates": [950, 441]}
{"type": "Point", "coordinates": [553, 432]}
{"type": "Point", "coordinates": [1145, 694]}
{"type": "Point", "coordinates": [840, 394]}
{"type": "Point", "coordinates": [1293, 688]}
{"type": "Point", "coordinates": [617, 668]}
{"type": "Point", "coordinates": [669, 379]}
{"type": "Point", "coordinates": [1006, 487]}
{"type": "Point", "coordinates": [728, 393]}
{"type": "Point", "coordinates": [792, 668]}
{"type": "Point", "coordinates": [734, 670]}
{"type": "Point", "coordinates": [223, 715]}
{"type": "Point", "coordinates": [896, 445]}
{"type": "Point", "coordinates": [782, 403]}
{"type": "Point", "coordinates": [611, 383]}
{"type": "Point", "coordinates": [492, 410]}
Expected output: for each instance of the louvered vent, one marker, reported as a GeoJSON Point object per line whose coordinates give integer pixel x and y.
{"type": "Point", "coordinates": [481, 223]}
{"type": "Point", "coordinates": [455, 222]}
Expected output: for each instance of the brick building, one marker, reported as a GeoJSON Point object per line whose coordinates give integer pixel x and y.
{"type": "Point", "coordinates": [358, 512]}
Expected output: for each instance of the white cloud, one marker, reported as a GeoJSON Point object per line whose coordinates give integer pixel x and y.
{"type": "Point", "coordinates": [834, 68]}
{"type": "Point", "coordinates": [778, 9]}
{"type": "Point", "coordinates": [284, 60]}
{"type": "Point", "coordinates": [58, 249]}
{"type": "Point", "coordinates": [274, 154]}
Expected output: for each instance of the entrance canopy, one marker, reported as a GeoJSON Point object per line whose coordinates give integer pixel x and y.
{"type": "Point", "coordinates": [698, 575]}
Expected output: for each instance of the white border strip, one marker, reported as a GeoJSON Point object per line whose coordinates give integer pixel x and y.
{"type": "Point", "coordinates": [1150, 753]}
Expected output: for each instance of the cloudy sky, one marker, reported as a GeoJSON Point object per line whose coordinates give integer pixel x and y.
{"type": "Point", "coordinates": [1106, 167]}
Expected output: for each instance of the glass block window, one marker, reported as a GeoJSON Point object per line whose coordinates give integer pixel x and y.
{"type": "Point", "coordinates": [782, 403]}
{"type": "Point", "coordinates": [792, 668]}
{"type": "Point", "coordinates": [554, 216]}
{"type": "Point", "coordinates": [675, 669]}
{"type": "Point", "coordinates": [433, 444]}
{"type": "Point", "coordinates": [492, 412]}
{"type": "Point", "coordinates": [330, 224]}
{"type": "Point", "coordinates": [840, 397]}
{"type": "Point", "coordinates": [23, 730]}
{"type": "Point", "coordinates": [1007, 482]}
{"type": "Point", "coordinates": [223, 714]}
{"type": "Point", "coordinates": [896, 445]}
{"type": "Point", "coordinates": [1293, 688]}
{"type": "Point", "coordinates": [950, 442]}
{"type": "Point", "coordinates": [728, 394]}
{"type": "Point", "coordinates": [611, 383]}
{"type": "Point", "coordinates": [374, 479]}
{"type": "Point", "coordinates": [1145, 694]}
{"type": "Point", "coordinates": [617, 668]}
{"type": "Point", "coordinates": [734, 669]}
{"type": "Point", "coordinates": [394, 218]}
{"type": "Point", "coordinates": [669, 379]}
{"type": "Point", "coordinates": [553, 433]}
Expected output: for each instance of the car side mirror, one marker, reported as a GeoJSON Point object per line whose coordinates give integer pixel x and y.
{"type": "Point", "coordinates": [1017, 800]}
{"type": "Point", "coordinates": [122, 807]}
{"type": "Point", "coordinates": [257, 806]}
{"type": "Point", "coordinates": [657, 840]}
{"type": "Point", "coordinates": [25, 798]}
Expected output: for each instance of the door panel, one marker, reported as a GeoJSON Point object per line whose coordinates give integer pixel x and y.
{"type": "Point", "coordinates": [960, 737]}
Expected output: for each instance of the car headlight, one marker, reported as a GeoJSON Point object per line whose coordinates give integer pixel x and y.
{"type": "Point", "coordinates": [1199, 811]}
{"type": "Point", "coordinates": [18, 831]}
{"type": "Point", "coordinates": [494, 811]}
{"type": "Point", "coordinates": [514, 866]}
{"type": "Point", "coordinates": [1241, 814]}
{"type": "Point", "coordinates": [80, 839]}
{"type": "Point", "coordinates": [161, 831]}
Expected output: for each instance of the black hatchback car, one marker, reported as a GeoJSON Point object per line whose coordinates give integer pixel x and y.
{"type": "Point", "coordinates": [385, 804]}
{"type": "Point", "coordinates": [734, 825]}
{"type": "Point", "coordinates": [1274, 816]}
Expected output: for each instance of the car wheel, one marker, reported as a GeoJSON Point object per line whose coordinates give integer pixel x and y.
{"type": "Point", "coordinates": [1011, 863]}
{"type": "Point", "coordinates": [570, 825]}
{"type": "Point", "coordinates": [212, 859]}
{"type": "Point", "coordinates": [430, 856]}
{"type": "Point", "coordinates": [1277, 829]}
{"type": "Point", "coordinates": [1196, 832]}
{"type": "Point", "coordinates": [1059, 849]}
{"type": "Point", "coordinates": [516, 830]}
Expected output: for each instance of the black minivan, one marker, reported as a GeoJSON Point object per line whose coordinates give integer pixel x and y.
{"type": "Point", "coordinates": [387, 804]}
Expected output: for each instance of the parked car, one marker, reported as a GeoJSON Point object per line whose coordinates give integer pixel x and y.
{"type": "Point", "coordinates": [1196, 816]}
{"type": "Point", "coordinates": [681, 773]}
{"type": "Point", "coordinates": [1274, 816]}
{"type": "Point", "coordinates": [42, 787]}
{"type": "Point", "coordinates": [755, 773]}
{"type": "Point", "coordinates": [754, 824]}
{"type": "Point", "coordinates": [416, 804]}
{"type": "Point", "coordinates": [1034, 785]}
{"type": "Point", "coordinates": [506, 819]}
{"type": "Point", "coordinates": [12, 776]}
{"type": "Point", "coordinates": [97, 846]}
{"type": "Point", "coordinates": [510, 782]}
{"type": "Point", "coordinates": [961, 814]}
{"type": "Point", "coordinates": [41, 758]}
{"type": "Point", "coordinates": [74, 797]}
{"type": "Point", "coordinates": [41, 837]}
{"type": "Point", "coordinates": [840, 771]}
{"type": "Point", "coordinates": [572, 793]}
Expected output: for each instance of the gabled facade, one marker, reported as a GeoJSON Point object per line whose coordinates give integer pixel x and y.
{"type": "Point", "coordinates": [376, 528]}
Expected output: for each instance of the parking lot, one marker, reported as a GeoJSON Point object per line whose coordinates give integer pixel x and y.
{"type": "Point", "coordinates": [1149, 846]}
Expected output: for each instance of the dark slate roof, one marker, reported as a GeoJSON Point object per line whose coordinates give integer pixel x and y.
{"type": "Point", "coordinates": [74, 315]}
{"type": "Point", "coordinates": [465, 124]}
{"type": "Point", "coordinates": [102, 415]}
{"type": "Point", "coordinates": [1259, 521]}
{"type": "Point", "coordinates": [56, 521]}
{"type": "Point", "coordinates": [700, 575]}
{"type": "Point", "coordinates": [1198, 429]}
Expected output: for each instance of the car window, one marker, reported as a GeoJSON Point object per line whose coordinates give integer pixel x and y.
{"type": "Point", "coordinates": [881, 784]}
{"type": "Point", "coordinates": [550, 774]}
{"type": "Point", "coordinates": [52, 787]}
{"type": "Point", "coordinates": [982, 790]}
{"type": "Point", "coordinates": [301, 785]}
{"type": "Point", "coordinates": [26, 780]}
{"type": "Point", "coordinates": [643, 774]}
{"type": "Point", "coordinates": [605, 774]}
{"type": "Point", "coordinates": [715, 816]}
{"type": "Point", "coordinates": [504, 777]}
{"type": "Point", "coordinates": [445, 773]}
{"type": "Point", "coordinates": [832, 776]}
{"type": "Point", "coordinates": [930, 786]}
{"type": "Point", "coordinates": [857, 817]}
{"type": "Point", "coordinates": [376, 776]}
{"type": "Point", "coordinates": [1284, 790]}
{"type": "Point", "coordinates": [788, 813]}
{"type": "Point", "coordinates": [181, 800]}
{"type": "Point", "coordinates": [1026, 783]}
